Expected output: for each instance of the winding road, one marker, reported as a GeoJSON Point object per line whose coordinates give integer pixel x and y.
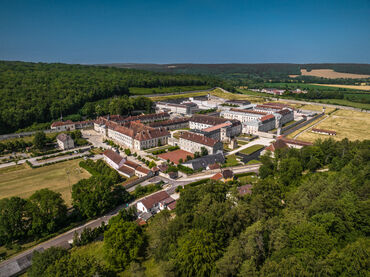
{"type": "Point", "coordinates": [22, 261]}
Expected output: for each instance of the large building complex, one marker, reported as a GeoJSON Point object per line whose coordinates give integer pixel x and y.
{"type": "Point", "coordinates": [217, 128]}
{"type": "Point", "coordinates": [194, 143]}
{"type": "Point", "coordinates": [261, 118]}
{"type": "Point", "coordinates": [187, 108]}
{"type": "Point", "coordinates": [133, 134]}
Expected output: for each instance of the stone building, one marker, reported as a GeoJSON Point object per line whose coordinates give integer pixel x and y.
{"type": "Point", "coordinates": [187, 108]}
{"type": "Point", "coordinates": [194, 142]}
{"type": "Point", "coordinates": [65, 141]}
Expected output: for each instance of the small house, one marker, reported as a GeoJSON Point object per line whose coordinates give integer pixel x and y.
{"type": "Point", "coordinates": [65, 141]}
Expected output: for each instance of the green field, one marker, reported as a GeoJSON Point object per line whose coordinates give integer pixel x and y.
{"type": "Point", "coordinates": [23, 181]}
{"type": "Point", "coordinates": [251, 149]}
{"type": "Point", "coordinates": [145, 91]}
{"type": "Point", "coordinates": [231, 161]}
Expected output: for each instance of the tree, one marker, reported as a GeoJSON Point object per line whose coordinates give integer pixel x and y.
{"type": "Point", "coordinates": [76, 265]}
{"type": "Point", "coordinates": [42, 260]}
{"type": "Point", "coordinates": [48, 211]}
{"type": "Point", "coordinates": [196, 255]}
{"type": "Point", "coordinates": [39, 140]}
{"type": "Point", "coordinates": [97, 195]}
{"type": "Point", "coordinates": [181, 161]}
{"type": "Point", "coordinates": [124, 242]}
{"type": "Point", "coordinates": [15, 219]}
{"type": "Point", "coordinates": [128, 151]}
{"type": "Point", "coordinates": [204, 151]}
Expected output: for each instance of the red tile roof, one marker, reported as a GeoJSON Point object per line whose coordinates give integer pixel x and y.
{"type": "Point", "coordinates": [131, 164]}
{"type": "Point", "coordinates": [126, 170]}
{"type": "Point", "coordinates": [142, 170]}
{"type": "Point", "coordinates": [172, 205]}
{"type": "Point", "coordinates": [61, 123]}
{"type": "Point", "coordinates": [207, 119]}
{"type": "Point", "coordinates": [284, 112]}
{"type": "Point", "coordinates": [170, 122]}
{"type": "Point", "coordinates": [246, 189]}
{"type": "Point", "coordinates": [198, 139]}
{"type": "Point", "coordinates": [113, 156]}
{"type": "Point", "coordinates": [324, 131]}
{"type": "Point", "coordinates": [216, 127]}
{"type": "Point", "coordinates": [297, 142]}
{"type": "Point", "coordinates": [217, 176]}
{"type": "Point", "coordinates": [267, 117]}
{"type": "Point", "coordinates": [150, 201]}
{"type": "Point", "coordinates": [175, 156]}
{"type": "Point", "coordinates": [278, 144]}
{"type": "Point", "coordinates": [214, 166]}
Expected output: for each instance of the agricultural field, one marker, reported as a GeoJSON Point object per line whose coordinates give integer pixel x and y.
{"type": "Point", "coordinates": [348, 124]}
{"type": "Point", "coordinates": [345, 86]}
{"type": "Point", "coordinates": [331, 74]}
{"type": "Point", "coordinates": [317, 108]}
{"type": "Point", "coordinates": [23, 181]}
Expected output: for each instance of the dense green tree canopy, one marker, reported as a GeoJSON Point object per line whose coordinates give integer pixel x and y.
{"type": "Point", "coordinates": [38, 92]}
{"type": "Point", "coordinates": [124, 242]}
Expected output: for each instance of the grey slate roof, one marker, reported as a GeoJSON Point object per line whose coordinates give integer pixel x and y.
{"type": "Point", "coordinates": [204, 161]}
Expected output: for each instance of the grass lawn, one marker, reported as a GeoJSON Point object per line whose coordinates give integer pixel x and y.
{"type": "Point", "coordinates": [242, 142]}
{"type": "Point", "coordinates": [253, 162]}
{"type": "Point", "coordinates": [317, 108]}
{"type": "Point", "coordinates": [151, 150]}
{"type": "Point", "coordinates": [231, 161]}
{"type": "Point", "coordinates": [347, 124]}
{"type": "Point", "coordinates": [94, 249]}
{"type": "Point", "coordinates": [145, 91]}
{"type": "Point", "coordinates": [251, 149]}
{"type": "Point", "coordinates": [23, 181]}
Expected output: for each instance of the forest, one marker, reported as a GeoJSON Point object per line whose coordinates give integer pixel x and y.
{"type": "Point", "coordinates": [307, 215]}
{"type": "Point", "coordinates": [39, 92]}
{"type": "Point", "coordinates": [249, 71]}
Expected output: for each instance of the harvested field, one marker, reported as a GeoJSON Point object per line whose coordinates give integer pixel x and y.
{"type": "Point", "coordinates": [175, 156]}
{"type": "Point", "coordinates": [317, 108]}
{"type": "Point", "coordinates": [346, 86]}
{"type": "Point", "coordinates": [331, 74]}
{"type": "Point", "coordinates": [23, 181]}
{"type": "Point", "coordinates": [347, 124]}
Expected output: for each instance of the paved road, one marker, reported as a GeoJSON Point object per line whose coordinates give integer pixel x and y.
{"type": "Point", "coordinates": [11, 266]}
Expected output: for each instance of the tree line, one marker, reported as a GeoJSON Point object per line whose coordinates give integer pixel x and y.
{"type": "Point", "coordinates": [45, 212]}
{"type": "Point", "coordinates": [39, 92]}
{"type": "Point", "coordinates": [296, 222]}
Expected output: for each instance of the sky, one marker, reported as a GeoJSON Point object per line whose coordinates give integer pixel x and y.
{"type": "Point", "coordinates": [185, 31]}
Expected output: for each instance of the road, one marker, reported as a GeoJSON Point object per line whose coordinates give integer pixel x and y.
{"type": "Point", "coordinates": [22, 261]}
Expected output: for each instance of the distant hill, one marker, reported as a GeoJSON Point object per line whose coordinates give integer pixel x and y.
{"type": "Point", "coordinates": [257, 70]}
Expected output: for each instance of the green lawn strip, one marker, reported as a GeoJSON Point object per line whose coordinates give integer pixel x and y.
{"type": "Point", "coordinates": [231, 160]}
{"type": "Point", "coordinates": [251, 149]}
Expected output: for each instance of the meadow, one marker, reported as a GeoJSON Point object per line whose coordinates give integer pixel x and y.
{"type": "Point", "coordinates": [348, 124]}
{"type": "Point", "coordinates": [23, 181]}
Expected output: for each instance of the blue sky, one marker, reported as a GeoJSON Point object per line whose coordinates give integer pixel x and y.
{"type": "Point", "coordinates": [187, 31]}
